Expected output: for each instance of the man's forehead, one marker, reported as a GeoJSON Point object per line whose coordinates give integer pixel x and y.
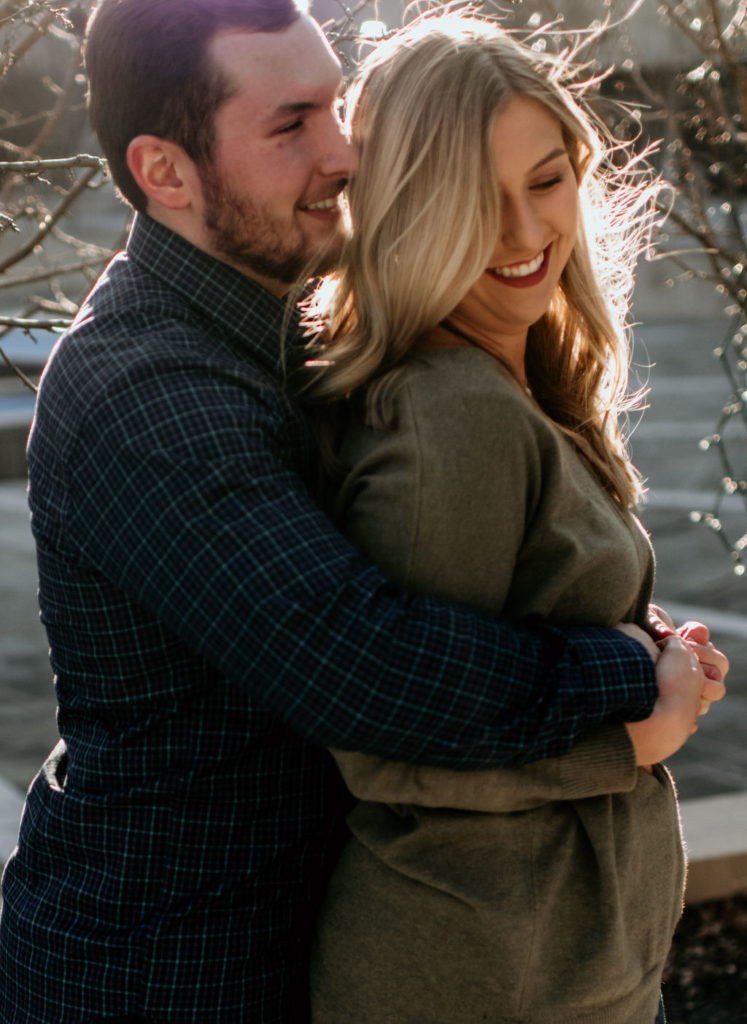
{"type": "Point", "coordinates": [284, 68]}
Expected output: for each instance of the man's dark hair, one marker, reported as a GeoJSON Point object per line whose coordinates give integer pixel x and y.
{"type": "Point", "coordinates": [149, 73]}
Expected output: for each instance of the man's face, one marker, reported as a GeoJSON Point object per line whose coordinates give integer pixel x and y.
{"type": "Point", "coordinates": [272, 194]}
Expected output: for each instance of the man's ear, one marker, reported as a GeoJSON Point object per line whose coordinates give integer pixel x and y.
{"type": "Point", "coordinates": [163, 171]}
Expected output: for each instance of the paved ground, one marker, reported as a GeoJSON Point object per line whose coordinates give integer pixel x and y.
{"type": "Point", "coordinates": [694, 579]}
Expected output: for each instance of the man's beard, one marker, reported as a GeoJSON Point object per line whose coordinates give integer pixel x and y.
{"type": "Point", "coordinates": [245, 235]}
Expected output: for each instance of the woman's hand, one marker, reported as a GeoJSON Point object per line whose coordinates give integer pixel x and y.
{"type": "Point", "coordinates": [673, 720]}
{"type": "Point", "coordinates": [697, 635]}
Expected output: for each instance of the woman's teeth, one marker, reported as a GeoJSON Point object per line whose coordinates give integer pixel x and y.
{"type": "Point", "coordinates": [520, 269]}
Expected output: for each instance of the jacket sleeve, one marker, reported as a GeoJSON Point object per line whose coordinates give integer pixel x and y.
{"type": "Point", "coordinates": [183, 494]}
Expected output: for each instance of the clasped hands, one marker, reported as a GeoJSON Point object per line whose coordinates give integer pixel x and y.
{"type": "Point", "coordinates": [690, 671]}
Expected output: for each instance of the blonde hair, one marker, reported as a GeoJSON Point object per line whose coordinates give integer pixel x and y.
{"type": "Point", "coordinates": [425, 207]}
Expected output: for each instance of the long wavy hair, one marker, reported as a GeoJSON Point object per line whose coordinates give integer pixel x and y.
{"type": "Point", "coordinates": [425, 208]}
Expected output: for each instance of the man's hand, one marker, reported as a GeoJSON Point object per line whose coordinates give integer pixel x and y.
{"type": "Point", "coordinates": [673, 720]}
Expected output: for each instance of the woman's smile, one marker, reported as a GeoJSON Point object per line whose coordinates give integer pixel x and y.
{"type": "Point", "coordinates": [539, 213]}
{"type": "Point", "coordinates": [523, 275]}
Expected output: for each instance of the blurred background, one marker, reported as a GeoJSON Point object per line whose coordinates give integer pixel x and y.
{"type": "Point", "coordinates": [671, 73]}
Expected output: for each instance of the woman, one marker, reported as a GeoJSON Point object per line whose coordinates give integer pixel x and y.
{"type": "Point", "coordinates": [476, 358]}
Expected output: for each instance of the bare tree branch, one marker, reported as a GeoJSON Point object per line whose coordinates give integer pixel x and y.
{"type": "Point", "coordinates": [80, 186]}
{"type": "Point", "coordinates": [61, 164]}
{"type": "Point", "coordinates": [38, 325]}
{"type": "Point", "coordinates": [27, 382]}
{"type": "Point", "coordinates": [60, 107]}
{"type": "Point", "coordinates": [33, 37]}
{"type": "Point", "coordinates": [36, 276]}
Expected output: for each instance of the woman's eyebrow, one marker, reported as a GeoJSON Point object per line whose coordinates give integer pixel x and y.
{"type": "Point", "coordinates": [560, 151]}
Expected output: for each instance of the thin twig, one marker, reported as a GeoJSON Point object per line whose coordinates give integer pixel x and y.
{"type": "Point", "coordinates": [24, 324]}
{"type": "Point", "coordinates": [705, 47]}
{"type": "Point", "coordinates": [17, 371]}
{"type": "Point", "coordinates": [46, 273]}
{"type": "Point", "coordinates": [80, 186]}
{"type": "Point", "coordinates": [61, 106]}
{"type": "Point", "coordinates": [39, 165]}
{"type": "Point", "coordinates": [37, 33]}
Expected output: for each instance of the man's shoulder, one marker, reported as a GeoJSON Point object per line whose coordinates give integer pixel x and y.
{"type": "Point", "coordinates": [127, 300]}
{"type": "Point", "coordinates": [168, 291]}
{"type": "Point", "coordinates": [132, 321]}
{"type": "Point", "coordinates": [129, 321]}
{"type": "Point", "coordinates": [137, 344]}
{"type": "Point", "coordinates": [166, 332]}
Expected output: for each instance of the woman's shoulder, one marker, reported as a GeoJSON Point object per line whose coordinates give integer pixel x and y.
{"type": "Point", "coordinates": [468, 363]}
{"type": "Point", "coordinates": [447, 399]}
{"type": "Point", "coordinates": [455, 405]}
{"type": "Point", "coordinates": [470, 376]}
{"type": "Point", "coordinates": [439, 389]}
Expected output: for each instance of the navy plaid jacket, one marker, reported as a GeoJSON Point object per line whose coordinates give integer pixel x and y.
{"type": "Point", "coordinates": [210, 634]}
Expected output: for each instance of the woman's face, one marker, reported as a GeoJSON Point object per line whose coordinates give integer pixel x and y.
{"type": "Point", "coordinates": [539, 208]}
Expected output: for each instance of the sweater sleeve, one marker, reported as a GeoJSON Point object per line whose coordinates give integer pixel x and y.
{"type": "Point", "coordinates": [441, 502]}
{"type": "Point", "coordinates": [598, 764]}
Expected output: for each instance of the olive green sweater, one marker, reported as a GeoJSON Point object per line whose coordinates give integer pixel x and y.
{"type": "Point", "coordinates": [546, 894]}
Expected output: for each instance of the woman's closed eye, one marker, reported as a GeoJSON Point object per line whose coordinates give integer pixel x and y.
{"type": "Point", "coordinates": [548, 183]}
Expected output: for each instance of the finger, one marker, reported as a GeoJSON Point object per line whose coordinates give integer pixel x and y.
{"type": "Point", "coordinates": [693, 650]}
{"type": "Point", "coordinates": [661, 614]}
{"type": "Point", "coordinates": [715, 663]}
{"type": "Point", "coordinates": [697, 631]}
{"type": "Point", "coordinates": [713, 690]}
{"type": "Point", "coordinates": [699, 668]}
{"type": "Point", "coordinates": [679, 672]}
{"type": "Point", "coordinates": [704, 707]}
{"type": "Point", "coordinates": [658, 623]}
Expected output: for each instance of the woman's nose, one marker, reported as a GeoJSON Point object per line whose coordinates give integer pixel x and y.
{"type": "Point", "coordinates": [522, 226]}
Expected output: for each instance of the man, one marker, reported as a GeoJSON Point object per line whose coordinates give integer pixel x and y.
{"type": "Point", "coordinates": [210, 632]}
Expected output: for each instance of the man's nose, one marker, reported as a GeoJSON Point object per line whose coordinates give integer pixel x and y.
{"type": "Point", "coordinates": [340, 157]}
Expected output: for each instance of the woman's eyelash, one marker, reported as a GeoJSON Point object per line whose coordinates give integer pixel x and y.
{"type": "Point", "coordinates": [549, 182]}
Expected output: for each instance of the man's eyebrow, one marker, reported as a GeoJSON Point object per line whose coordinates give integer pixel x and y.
{"type": "Point", "coordinates": [560, 151]}
{"type": "Point", "coordinates": [296, 107]}
{"type": "Point", "coordinates": [291, 109]}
